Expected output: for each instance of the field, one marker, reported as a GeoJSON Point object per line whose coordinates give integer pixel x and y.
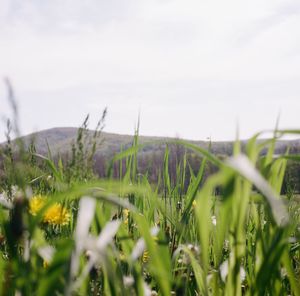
{"type": "Point", "coordinates": [63, 231]}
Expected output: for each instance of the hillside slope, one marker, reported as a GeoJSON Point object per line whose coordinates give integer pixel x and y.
{"type": "Point", "coordinates": [60, 141]}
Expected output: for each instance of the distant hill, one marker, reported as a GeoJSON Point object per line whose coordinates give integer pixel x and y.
{"type": "Point", "coordinates": [151, 156]}
{"type": "Point", "coordinates": [60, 141]}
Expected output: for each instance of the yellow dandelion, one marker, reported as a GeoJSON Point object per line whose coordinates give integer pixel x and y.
{"type": "Point", "coordinates": [145, 257]}
{"type": "Point", "coordinates": [57, 215]}
{"type": "Point", "coordinates": [126, 215]}
{"type": "Point", "coordinates": [35, 204]}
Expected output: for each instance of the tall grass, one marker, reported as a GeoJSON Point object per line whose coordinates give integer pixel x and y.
{"type": "Point", "coordinates": [232, 234]}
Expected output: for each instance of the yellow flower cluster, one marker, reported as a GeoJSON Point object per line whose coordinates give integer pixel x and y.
{"type": "Point", "coordinates": [145, 257]}
{"type": "Point", "coordinates": [55, 214]}
{"type": "Point", "coordinates": [35, 204]}
{"type": "Point", "coordinates": [126, 215]}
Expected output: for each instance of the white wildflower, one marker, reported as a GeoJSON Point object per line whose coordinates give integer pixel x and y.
{"type": "Point", "coordinates": [214, 220]}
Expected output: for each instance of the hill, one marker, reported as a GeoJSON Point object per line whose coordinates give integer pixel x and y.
{"type": "Point", "coordinates": [60, 141]}
{"type": "Point", "coordinates": [151, 156]}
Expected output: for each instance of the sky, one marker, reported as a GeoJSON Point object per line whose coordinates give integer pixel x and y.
{"type": "Point", "coordinates": [194, 69]}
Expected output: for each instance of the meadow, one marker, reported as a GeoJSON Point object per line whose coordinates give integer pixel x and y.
{"type": "Point", "coordinates": [64, 231]}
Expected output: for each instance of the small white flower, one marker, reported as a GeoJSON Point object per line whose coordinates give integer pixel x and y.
{"type": "Point", "coordinates": [214, 220]}
{"type": "Point", "coordinates": [292, 240]}
{"type": "Point", "coordinates": [128, 281]}
{"type": "Point", "coordinates": [193, 248]}
{"type": "Point", "coordinates": [226, 244]}
{"type": "Point", "coordinates": [147, 290]}
{"type": "Point", "coordinates": [46, 252]}
{"type": "Point", "coordinates": [5, 202]}
{"type": "Point", "coordinates": [242, 274]}
{"type": "Point", "coordinates": [283, 273]}
{"type": "Point", "coordinates": [224, 271]}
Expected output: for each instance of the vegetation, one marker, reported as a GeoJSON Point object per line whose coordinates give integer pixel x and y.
{"type": "Point", "coordinates": [64, 231]}
{"type": "Point", "coordinates": [63, 145]}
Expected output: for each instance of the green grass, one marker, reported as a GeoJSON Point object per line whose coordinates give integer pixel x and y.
{"type": "Point", "coordinates": [230, 234]}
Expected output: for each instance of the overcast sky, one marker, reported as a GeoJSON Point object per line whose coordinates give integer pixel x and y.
{"type": "Point", "coordinates": [191, 68]}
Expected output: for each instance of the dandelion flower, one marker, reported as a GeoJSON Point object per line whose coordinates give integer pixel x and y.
{"type": "Point", "coordinates": [35, 204]}
{"type": "Point", "coordinates": [126, 215]}
{"type": "Point", "coordinates": [57, 215]}
{"type": "Point", "coordinates": [126, 212]}
{"type": "Point", "coordinates": [145, 257]}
